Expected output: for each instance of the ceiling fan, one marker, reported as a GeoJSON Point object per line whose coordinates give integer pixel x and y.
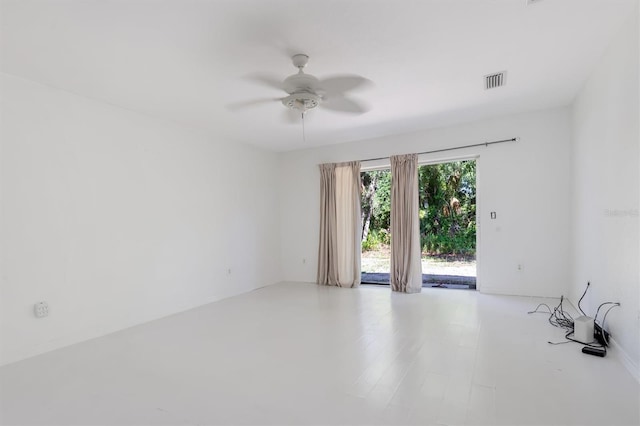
{"type": "Point", "coordinates": [307, 92]}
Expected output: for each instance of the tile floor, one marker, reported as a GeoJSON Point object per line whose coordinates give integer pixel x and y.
{"type": "Point", "coordinates": [302, 354]}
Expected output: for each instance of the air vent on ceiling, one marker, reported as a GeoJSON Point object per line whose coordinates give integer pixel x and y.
{"type": "Point", "coordinates": [498, 79]}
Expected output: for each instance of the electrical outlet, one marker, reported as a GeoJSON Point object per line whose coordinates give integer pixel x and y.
{"type": "Point", "coordinates": [304, 260]}
{"type": "Point", "coordinates": [520, 267]}
{"type": "Point", "coordinates": [229, 271]}
{"type": "Point", "coordinates": [41, 309]}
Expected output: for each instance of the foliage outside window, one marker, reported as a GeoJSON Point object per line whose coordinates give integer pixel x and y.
{"type": "Point", "coordinates": [447, 197]}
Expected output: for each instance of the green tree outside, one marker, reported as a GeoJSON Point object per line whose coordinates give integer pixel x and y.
{"type": "Point", "coordinates": [447, 197]}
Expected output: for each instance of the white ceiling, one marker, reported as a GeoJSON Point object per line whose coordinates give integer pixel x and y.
{"type": "Point", "coordinates": [186, 60]}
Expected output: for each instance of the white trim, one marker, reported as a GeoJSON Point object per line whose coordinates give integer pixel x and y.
{"type": "Point", "coordinates": [625, 359]}
{"type": "Point", "coordinates": [372, 165]}
{"type": "Point", "coordinates": [424, 160]}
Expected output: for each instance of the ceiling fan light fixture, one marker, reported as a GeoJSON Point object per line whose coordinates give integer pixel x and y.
{"type": "Point", "coordinates": [301, 101]}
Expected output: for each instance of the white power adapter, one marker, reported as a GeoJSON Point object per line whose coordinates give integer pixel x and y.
{"type": "Point", "coordinates": [583, 329]}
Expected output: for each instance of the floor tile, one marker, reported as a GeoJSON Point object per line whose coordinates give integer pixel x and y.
{"type": "Point", "coordinates": [297, 353]}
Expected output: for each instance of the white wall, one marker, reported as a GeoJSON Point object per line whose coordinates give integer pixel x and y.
{"type": "Point", "coordinates": [605, 182]}
{"type": "Point", "coordinates": [115, 218]}
{"type": "Point", "coordinates": [527, 183]}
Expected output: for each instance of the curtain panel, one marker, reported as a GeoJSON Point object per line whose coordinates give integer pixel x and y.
{"type": "Point", "coordinates": [340, 228]}
{"type": "Point", "coordinates": [406, 265]}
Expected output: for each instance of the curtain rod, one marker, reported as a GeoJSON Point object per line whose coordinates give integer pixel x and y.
{"type": "Point", "coordinates": [454, 148]}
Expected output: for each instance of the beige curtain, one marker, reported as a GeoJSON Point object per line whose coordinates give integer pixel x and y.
{"type": "Point", "coordinates": [327, 249]}
{"type": "Point", "coordinates": [406, 266]}
{"type": "Point", "coordinates": [339, 245]}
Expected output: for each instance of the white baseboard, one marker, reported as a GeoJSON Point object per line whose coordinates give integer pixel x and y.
{"type": "Point", "coordinates": [625, 359]}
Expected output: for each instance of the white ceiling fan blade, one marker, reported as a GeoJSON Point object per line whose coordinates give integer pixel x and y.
{"type": "Point", "coordinates": [342, 104]}
{"type": "Point", "coordinates": [338, 84]}
{"type": "Point", "coordinates": [250, 103]}
{"type": "Point", "coordinates": [291, 117]}
{"type": "Point", "coordinates": [268, 80]}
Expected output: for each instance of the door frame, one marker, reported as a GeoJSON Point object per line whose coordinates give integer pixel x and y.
{"type": "Point", "coordinates": [425, 160]}
{"type": "Point", "coordinates": [429, 159]}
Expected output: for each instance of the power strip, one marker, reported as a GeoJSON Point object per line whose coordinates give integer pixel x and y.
{"type": "Point", "coordinates": [594, 351]}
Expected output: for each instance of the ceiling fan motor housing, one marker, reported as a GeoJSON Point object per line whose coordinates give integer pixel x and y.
{"type": "Point", "coordinates": [300, 82]}
{"type": "Point", "coordinates": [302, 88]}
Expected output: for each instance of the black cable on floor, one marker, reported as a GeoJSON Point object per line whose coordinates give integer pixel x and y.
{"type": "Point", "coordinates": [536, 311]}
{"type": "Point", "coordinates": [583, 294]}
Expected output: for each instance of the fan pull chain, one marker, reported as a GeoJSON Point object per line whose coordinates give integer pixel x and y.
{"type": "Point", "coordinates": [304, 138]}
